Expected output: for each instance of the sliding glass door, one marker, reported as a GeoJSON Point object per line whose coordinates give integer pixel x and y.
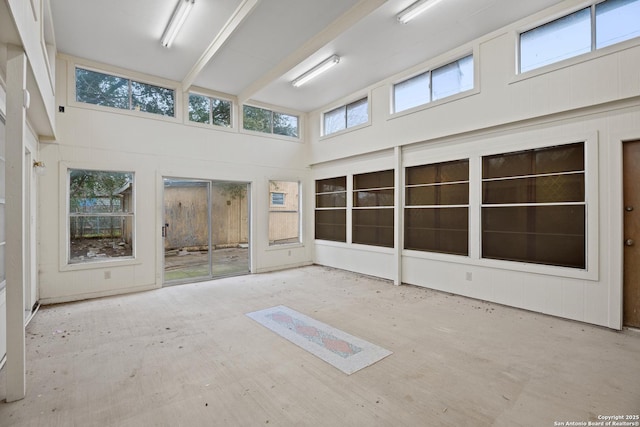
{"type": "Point", "coordinates": [205, 229]}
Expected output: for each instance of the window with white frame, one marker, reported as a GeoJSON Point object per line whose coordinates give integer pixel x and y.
{"type": "Point", "coordinates": [346, 116]}
{"type": "Point", "coordinates": [93, 87]}
{"type": "Point", "coordinates": [600, 25]}
{"type": "Point", "coordinates": [436, 207]}
{"type": "Point", "coordinates": [209, 110]}
{"type": "Point", "coordinates": [262, 120]}
{"type": "Point", "coordinates": [101, 215]}
{"type": "Point", "coordinates": [534, 207]}
{"type": "Point", "coordinates": [442, 82]}
{"type": "Point", "coordinates": [284, 212]}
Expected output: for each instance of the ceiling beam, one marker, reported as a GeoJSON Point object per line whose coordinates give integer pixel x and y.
{"type": "Point", "coordinates": [239, 15]}
{"type": "Point", "coordinates": [330, 33]}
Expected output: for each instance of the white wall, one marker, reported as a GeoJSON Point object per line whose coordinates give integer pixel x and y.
{"type": "Point", "coordinates": [152, 147]}
{"type": "Point", "coordinates": [3, 292]}
{"type": "Point", "coordinates": [593, 98]}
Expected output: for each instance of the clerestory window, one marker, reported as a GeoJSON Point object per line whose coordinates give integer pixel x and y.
{"type": "Point", "coordinates": [93, 87]}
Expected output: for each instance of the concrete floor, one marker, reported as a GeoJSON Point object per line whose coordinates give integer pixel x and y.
{"type": "Point", "coordinates": [188, 356]}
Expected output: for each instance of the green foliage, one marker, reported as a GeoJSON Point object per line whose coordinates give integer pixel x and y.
{"type": "Point", "coordinates": [101, 89]}
{"type": "Point", "coordinates": [267, 121]}
{"type": "Point", "coordinates": [95, 192]}
{"type": "Point", "coordinates": [234, 190]}
{"type": "Point", "coordinates": [97, 88]}
{"type": "Point", "coordinates": [285, 124]}
{"type": "Point", "coordinates": [203, 109]}
{"type": "Point", "coordinates": [257, 119]}
{"type": "Point", "coordinates": [221, 112]}
{"type": "Point", "coordinates": [199, 108]}
{"type": "Point", "coordinates": [152, 99]}
{"type": "Point", "coordinates": [85, 187]}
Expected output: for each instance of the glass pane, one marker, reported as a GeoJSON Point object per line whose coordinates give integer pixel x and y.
{"type": "Point", "coordinates": [331, 200]}
{"type": "Point", "coordinates": [277, 199]}
{"type": "Point", "coordinates": [454, 171]}
{"type": "Point", "coordinates": [562, 158]}
{"type": "Point", "coordinates": [257, 119]}
{"type": "Point", "coordinates": [373, 227]}
{"type": "Point", "coordinates": [545, 189]}
{"type": "Point", "coordinates": [93, 192]}
{"type": "Point", "coordinates": [617, 21]}
{"type": "Point", "coordinates": [230, 214]}
{"type": "Point", "coordinates": [563, 38]}
{"type": "Point", "coordinates": [373, 180]}
{"type": "Point", "coordinates": [102, 89]}
{"type": "Point", "coordinates": [331, 225]}
{"type": "Point", "coordinates": [553, 235]}
{"type": "Point", "coordinates": [284, 216]}
{"type": "Point", "coordinates": [411, 93]}
{"type": "Point", "coordinates": [373, 198]}
{"type": "Point", "coordinates": [437, 230]}
{"type": "Point", "coordinates": [285, 124]}
{"type": "Point", "coordinates": [199, 109]}
{"type": "Point", "coordinates": [358, 113]}
{"type": "Point", "coordinates": [152, 99]}
{"type": "Point", "coordinates": [449, 194]}
{"type": "Point", "coordinates": [331, 184]}
{"type": "Point", "coordinates": [453, 78]}
{"type": "Point", "coordinates": [96, 231]}
{"type": "Point", "coordinates": [221, 112]}
{"type": "Point", "coordinates": [335, 120]}
{"type": "Point", "coordinates": [100, 238]}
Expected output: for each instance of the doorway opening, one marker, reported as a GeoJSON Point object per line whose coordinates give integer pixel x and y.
{"type": "Point", "coordinates": [205, 229]}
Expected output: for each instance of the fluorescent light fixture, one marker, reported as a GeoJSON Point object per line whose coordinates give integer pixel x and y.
{"type": "Point", "coordinates": [415, 9]}
{"type": "Point", "coordinates": [177, 20]}
{"type": "Point", "coordinates": [317, 70]}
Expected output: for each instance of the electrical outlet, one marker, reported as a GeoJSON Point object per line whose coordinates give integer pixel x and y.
{"type": "Point", "coordinates": [469, 276]}
{"type": "Point", "coordinates": [107, 275]}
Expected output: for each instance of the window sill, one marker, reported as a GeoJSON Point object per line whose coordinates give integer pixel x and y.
{"type": "Point", "coordinates": [122, 111]}
{"type": "Point", "coordinates": [271, 135]}
{"type": "Point", "coordinates": [220, 128]}
{"type": "Point", "coordinates": [107, 263]}
{"type": "Point", "coordinates": [521, 267]}
{"type": "Point", "coordinates": [285, 246]}
{"type": "Point", "coordinates": [435, 104]}
{"type": "Point", "coordinates": [345, 131]}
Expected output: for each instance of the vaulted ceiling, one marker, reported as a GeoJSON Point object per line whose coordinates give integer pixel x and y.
{"type": "Point", "coordinates": [253, 49]}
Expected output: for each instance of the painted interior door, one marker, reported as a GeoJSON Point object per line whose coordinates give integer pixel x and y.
{"type": "Point", "coordinates": [631, 295]}
{"type": "Point", "coordinates": [205, 230]}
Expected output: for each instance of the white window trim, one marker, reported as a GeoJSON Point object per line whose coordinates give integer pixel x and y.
{"type": "Point", "coordinates": [73, 63]}
{"type": "Point", "coordinates": [273, 109]}
{"type": "Point", "coordinates": [565, 63]}
{"type": "Point", "coordinates": [300, 242]}
{"type": "Point", "coordinates": [63, 224]}
{"type": "Point", "coordinates": [351, 100]}
{"type": "Point", "coordinates": [474, 52]}
{"type": "Point", "coordinates": [592, 243]}
{"type": "Point", "coordinates": [211, 94]}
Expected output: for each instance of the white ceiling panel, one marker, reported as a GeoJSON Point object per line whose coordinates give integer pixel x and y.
{"type": "Point", "coordinates": [277, 41]}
